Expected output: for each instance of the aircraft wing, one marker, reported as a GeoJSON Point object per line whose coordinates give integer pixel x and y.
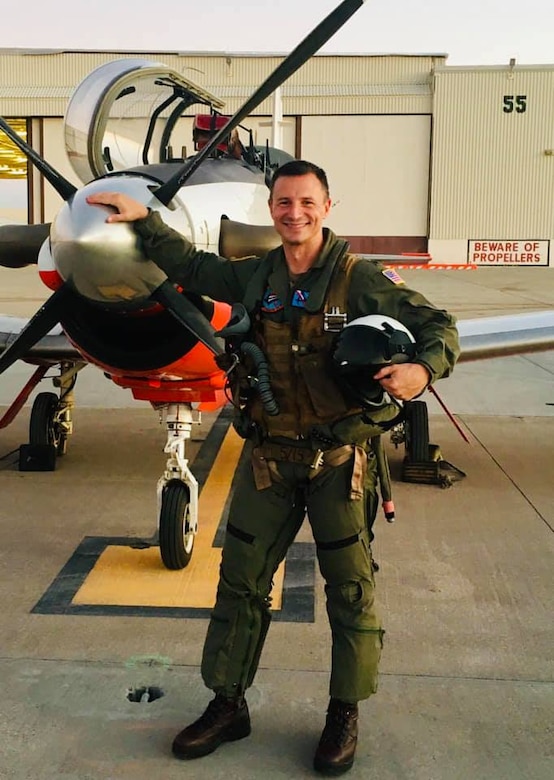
{"type": "Point", "coordinates": [480, 338]}
{"type": "Point", "coordinates": [55, 347]}
{"type": "Point", "coordinates": [514, 334]}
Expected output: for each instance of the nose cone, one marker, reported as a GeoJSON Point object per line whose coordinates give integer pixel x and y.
{"type": "Point", "coordinates": [102, 261]}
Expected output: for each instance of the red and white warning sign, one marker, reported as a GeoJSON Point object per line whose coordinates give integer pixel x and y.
{"type": "Point", "coordinates": [519, 252]}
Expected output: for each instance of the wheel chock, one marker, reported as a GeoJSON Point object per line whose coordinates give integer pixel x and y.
{"type": "Point", "coordinates": [425, 472]}
{"type": "Point", "coordinates": [434, 471]}
{"type": "Point", "coordinates": [37, 457]}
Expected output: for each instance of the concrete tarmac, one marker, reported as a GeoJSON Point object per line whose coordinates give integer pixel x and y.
{"type": "Point", "coordinates": [465, 587]}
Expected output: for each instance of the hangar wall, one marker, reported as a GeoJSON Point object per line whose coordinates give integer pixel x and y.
{"type": "Point", "coordinates": [378, 106]}
{"type": "Point", "coordinates": [378, 168]}
{"type": "Point", "coordinates": [493, 165]}
{"type": "Point", "coordinates": [37, 83]}
{"type": "Point", "coordinates": [421, 156]}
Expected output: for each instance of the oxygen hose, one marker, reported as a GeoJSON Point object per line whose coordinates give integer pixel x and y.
{"type": "Point", "coordinates": [263, 385]}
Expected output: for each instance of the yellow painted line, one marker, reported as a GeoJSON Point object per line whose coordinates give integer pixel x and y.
{"type": "Point", "coordinates": [124, 576]}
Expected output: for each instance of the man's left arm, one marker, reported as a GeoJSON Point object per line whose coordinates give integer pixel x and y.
{"type": "Point", "coordinates": [434, 330]}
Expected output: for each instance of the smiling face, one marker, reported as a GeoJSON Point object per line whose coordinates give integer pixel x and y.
{"type": "Point", "coordinates": [298, 206]}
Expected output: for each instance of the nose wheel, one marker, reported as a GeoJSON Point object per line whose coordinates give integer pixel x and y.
{"type": "Point", "coordinates": [176, 534]}
{"type": "Point", "coordinates": [177, 490]}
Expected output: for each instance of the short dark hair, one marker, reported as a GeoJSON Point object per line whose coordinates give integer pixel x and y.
{"type": "Point", "coordinates": [300, 168]}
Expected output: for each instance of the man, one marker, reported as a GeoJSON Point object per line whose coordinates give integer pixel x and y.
{"type": "Point", "coordinates": [311, 457]}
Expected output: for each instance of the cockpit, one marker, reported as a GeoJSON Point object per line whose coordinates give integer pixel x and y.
{"type": "Point", "coordinates": [129, 113]}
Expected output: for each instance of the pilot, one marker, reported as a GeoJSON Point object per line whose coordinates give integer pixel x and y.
{"type": "Point", "coordinates": [204, 128]}
{"type": "Point", "coordinates": [311, 457]}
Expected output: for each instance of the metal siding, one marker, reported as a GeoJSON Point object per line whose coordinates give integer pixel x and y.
{"type": "Point", "coordinates": [35, 84]}
{"type": "Point", "coordinates": [491, 178]}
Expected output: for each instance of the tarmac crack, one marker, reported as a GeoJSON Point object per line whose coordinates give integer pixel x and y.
{"type": "Point", "coordinates": [514, 483]}
{"type": "Point", "coordinates": [538, 365]}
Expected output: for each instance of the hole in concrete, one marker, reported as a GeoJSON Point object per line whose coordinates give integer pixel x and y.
{"type": "Point", "coordinates": [144, 695]}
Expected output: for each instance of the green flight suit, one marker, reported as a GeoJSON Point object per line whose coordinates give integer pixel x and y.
{"type": "Point", "coordinates": [263, 522]}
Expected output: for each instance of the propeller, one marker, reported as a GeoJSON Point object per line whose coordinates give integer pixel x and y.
{"type": "Point", "coordinates": [47, 317]}
{"type": "Point", "coordinates": [113, 273]}
{"type": "Point", "coordinates": [301, 54]}
{"type": "Point", "coordinates": [188, 315]}
{"type": "Point", "coordinates": [63, 187]}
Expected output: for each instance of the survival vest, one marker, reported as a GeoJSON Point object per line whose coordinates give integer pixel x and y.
{"type": "Point", "coordinates": [299, 360]}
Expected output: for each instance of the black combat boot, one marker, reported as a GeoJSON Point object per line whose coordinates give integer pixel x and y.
{"type": "Point", "coordinates": [224, 720]}
{"type": "Point", "coordinates": [337, 746]}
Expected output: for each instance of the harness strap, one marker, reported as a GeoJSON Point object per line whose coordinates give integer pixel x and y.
{"type": "Point", "coordinates": [340, 455]}
{"type": "Point", "coordinates": [265, 456]}
{"type": "Point", "coordinates": [337, 294]}
{"type": "Point", "coordinates": [265, 471]}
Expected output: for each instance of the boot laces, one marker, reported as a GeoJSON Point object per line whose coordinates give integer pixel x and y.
{"type": "Point", "coordinates": [338, 725]}
{"type": "Point", "coordinates": [218, 706]}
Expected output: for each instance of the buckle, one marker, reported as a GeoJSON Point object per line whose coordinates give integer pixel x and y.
{"type": "Point", "coordinates": [317, 461]}
{"type": "Point", "coordinates": [334, 320]}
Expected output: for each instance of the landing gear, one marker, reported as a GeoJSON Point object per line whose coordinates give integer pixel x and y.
{"type": "Point", "coordinates": [175, 534]}
{"type": "Point", "coordinates": [177, 490]}
{"type": "Point", "coordinates": [423, 461]}
{"type": "Point", "coordinates": [49, 424]}
{"type": "Point", "coordinates": [416, 429]}
{"type": "Point", "coordinates": [51, 416]}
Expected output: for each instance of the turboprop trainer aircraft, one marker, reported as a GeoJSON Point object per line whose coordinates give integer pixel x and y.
{"type": "Point", "coordinates": [113, 308]}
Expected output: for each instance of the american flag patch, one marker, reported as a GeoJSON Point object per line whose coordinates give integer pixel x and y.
{"type": "Point", "coordinates": [391, 274]}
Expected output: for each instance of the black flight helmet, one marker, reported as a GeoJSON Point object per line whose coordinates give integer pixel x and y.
{"type": "Point", "coordinates": [363, 347]}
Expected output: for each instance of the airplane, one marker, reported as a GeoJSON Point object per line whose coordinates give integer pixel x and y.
{"type": "Point", "coordinates": [113, 308]}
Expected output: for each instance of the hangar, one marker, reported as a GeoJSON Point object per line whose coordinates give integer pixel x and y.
{"type": "Point", "coordinates": [453, 163]}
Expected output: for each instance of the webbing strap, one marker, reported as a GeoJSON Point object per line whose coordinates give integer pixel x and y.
{"type": "Point", "coordinates": [339, 544]}
{"type": "Point", "coordinates": [340, 284]}
{"type": "Point", "coordinates": [265, 456]}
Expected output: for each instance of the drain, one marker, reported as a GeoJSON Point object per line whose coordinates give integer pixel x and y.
{"type": "Point", "coordinates": [144, 695]}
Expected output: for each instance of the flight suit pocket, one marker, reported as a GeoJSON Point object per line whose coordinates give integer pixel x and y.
{"type": "Point", "coordinates": [325, 396]}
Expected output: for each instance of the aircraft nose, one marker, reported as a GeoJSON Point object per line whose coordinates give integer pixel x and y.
{"type": "Point", "coordinates": [102, 261]}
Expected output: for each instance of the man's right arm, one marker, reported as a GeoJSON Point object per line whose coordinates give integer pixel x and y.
{"type": "Point", "coordinates": [200, 272]}
{"type": "Point", "coordinates": [195, 270]}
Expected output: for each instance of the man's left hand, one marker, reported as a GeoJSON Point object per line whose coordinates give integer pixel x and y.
{"type": "Point", "coordinates": [403, 380]}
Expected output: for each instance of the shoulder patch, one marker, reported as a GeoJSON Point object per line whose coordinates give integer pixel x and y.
{"type": "Point", "coordinates": [394, 277]}
{"type": "Point", "coordinates": [299, 298]}
{"type": "Point", "coordinates": [271, 302]}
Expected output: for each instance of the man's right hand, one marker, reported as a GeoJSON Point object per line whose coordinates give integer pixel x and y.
{"type": "Point", "coordinates": [128, 209]}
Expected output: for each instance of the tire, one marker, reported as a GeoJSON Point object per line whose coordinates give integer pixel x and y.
{"type": "Point", "coordinates": [176, 541]}
{"type": "Point", "coordinates": [43, 428]}
{"type": "Point", "coordinates": [417, 431]}
{"type": "Point", "coordinates": [42, 424]}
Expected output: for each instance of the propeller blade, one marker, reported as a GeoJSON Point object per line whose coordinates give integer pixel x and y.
{"type": "Point", "coordinates": [49, 315]}
{"type": "Point", "coordinates": [63, 187]}
{"type": "Point", "coordinates": [20, 244]}
{"type": "Point", "coordinates": [188, 315]}
{"type": "Point", "coordinates": [301, 54]}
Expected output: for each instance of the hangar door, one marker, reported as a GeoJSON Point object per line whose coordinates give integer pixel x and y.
{"type": "Point", "coordinates": [378, 169]}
